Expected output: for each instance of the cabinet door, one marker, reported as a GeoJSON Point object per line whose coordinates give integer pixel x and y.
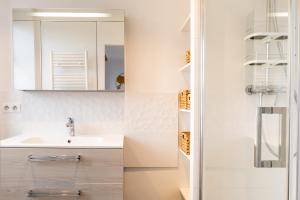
{"type": "Point", "coordinates": [101, 191]}
{"type": "Point", "coordinates": [27, 50]}
{"type": "Point", "coordinates": [111, 56]}
{"type": "Point", "coordinates": [99, 172]}
{"type": "Point", "coordinates": [13, 190]}
{"type": "Point", "coordinates": [95, 165]}
{"type": "Point", "coordinates": [71, 43]}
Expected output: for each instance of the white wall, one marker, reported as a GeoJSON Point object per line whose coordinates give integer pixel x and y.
{"type": "Point", "coordinates": [146, 113]}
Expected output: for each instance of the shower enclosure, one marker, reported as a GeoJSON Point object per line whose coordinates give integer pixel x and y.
{"type": "Point", "coordinates": [249, 85]}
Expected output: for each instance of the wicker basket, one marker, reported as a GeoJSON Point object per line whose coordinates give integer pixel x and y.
{"type": "Point", "coordinates": [184, 142]}
{"type": "Point", "coordinates": [188, 56]}
{"type": "Point", "coordinates": [184, 99]}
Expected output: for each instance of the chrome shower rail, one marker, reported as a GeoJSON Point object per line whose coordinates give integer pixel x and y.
{"type": "Point", "coordinates": [38, 158]}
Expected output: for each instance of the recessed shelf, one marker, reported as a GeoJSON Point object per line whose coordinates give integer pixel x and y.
{"type": "Point", "coordinates": [186, 25]}
{"type": "Point", "coordinates": [185, 68]}
{"type": "Point", "coordinates": [267, 36]}
{"type": "Point", "coordinates": [185, 193]}
{"type": "Point", "coordinates": [184, 154]}
{"type": "Point", "coordinates": [185, 110]}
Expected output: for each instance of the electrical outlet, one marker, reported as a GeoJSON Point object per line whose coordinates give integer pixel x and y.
{"type": "Point", "coordinates": [11, 108]}
{"type": "Point", "coordinates": [16, 107]}
{"type": "Point", "coordinates": [5, 108]}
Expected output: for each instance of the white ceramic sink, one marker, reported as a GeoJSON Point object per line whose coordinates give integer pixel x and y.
{"type": "Point", "coordinates": [48, 141]}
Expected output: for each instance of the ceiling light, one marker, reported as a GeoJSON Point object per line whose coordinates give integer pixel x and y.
{"type": "Point", "coordinates": [69, 14]}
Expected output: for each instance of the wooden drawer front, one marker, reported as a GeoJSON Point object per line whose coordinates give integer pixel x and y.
{"type": "Point", "coordinates": [101, 191]}
{"type": "Point", "coordinates": [95, 166]}
{"type": "Point", "coordinates": [17, 191]}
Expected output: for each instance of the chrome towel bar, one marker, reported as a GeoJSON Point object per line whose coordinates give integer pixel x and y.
{"type": "Point", "coordinates": [52, 193]}
{"type": "Point", "coordinates": [38, 158]}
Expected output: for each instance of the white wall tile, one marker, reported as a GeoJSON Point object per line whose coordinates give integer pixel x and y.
{"type": "Point", "coordinates": [151, 129]}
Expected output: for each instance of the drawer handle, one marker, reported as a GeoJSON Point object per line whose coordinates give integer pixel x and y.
{"type": "Point", "coordinates": [35, 158]}
{"type": "Point", "coordinates": [62, 193]}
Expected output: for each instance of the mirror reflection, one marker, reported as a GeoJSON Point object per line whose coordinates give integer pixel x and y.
{"type": "Point", "coordinates": [114, 67]}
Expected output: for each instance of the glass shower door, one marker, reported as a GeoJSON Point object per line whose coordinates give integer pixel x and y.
{"type": "Point", "coordinates": [247, 100]}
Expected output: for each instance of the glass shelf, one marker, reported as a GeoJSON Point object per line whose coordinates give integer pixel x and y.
{"type": "Point", "coordinates": [266, 78]}
{"type": "Point", "coordinates": [268, 90]}
{"type": "Point", "coordinates": [260, 62]}
{"type": "Point", "coordinates": [267, 36]}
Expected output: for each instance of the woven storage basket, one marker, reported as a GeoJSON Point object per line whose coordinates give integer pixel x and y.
{"type": "Point", "coordinates": [184, 99]}
{"type": "Point", "coordinates": [184, 142]}
{"type": "Point", "coordinates": [188, 56]}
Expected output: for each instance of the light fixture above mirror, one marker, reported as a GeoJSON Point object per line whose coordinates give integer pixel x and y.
{"type": "Point", "coordinates": [70, 14]}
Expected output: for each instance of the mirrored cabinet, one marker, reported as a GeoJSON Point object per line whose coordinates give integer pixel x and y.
{"type": "Point", "coordinates": [68, 50]}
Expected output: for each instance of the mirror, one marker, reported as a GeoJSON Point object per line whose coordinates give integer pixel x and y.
{"type": "Point", "coordinates": [68, 50]}
{"type": "Point", "coordinates": [114, 67]}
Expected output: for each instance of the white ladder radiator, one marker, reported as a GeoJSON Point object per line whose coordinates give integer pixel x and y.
{"type": "Point", "coordinates": [69, 70]}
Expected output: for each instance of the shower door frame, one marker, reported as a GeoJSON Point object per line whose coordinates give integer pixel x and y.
{"type": "Point", "coordinates": [295, 62]}
{"type": "Point", "coordinates": [197, 35]}
{"type": "Point", "coordinates": [294, 35]}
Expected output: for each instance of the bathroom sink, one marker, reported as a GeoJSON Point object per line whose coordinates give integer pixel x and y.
{"type": "Point", "coordinates": [81, 141]}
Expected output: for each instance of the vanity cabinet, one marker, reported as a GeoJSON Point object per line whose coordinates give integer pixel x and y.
{"type": "Point", "coordinates": [97, 174]}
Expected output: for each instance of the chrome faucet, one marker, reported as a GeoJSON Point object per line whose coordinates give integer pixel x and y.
{"type": "Point", "coordinates": [70, 125]}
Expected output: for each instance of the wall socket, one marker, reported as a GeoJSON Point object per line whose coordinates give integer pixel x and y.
{"type": "Point", "coordinates": [11, 108]}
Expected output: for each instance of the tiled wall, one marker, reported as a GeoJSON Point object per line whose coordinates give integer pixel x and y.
{"type": "Point", "coordinates": [151, 129]}
{"type": "Point", "coordinates": [149, 121]}
{"type": "Point", "coordinates": [46, 112]}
